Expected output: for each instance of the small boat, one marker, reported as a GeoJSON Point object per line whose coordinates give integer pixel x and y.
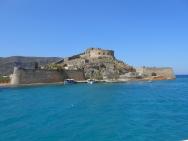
{"type": "Point", "coordinates": [69, 81]}
{"type": "Point", "coordinates": [150, 81]}
{"type": "Point", "coordinates": [90, 81]}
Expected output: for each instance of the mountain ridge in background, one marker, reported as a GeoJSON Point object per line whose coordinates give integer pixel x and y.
{"type": "Point", "coordinates": [7, 63]}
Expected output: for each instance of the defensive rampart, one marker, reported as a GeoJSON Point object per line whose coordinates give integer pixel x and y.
{"type": "Point", "coordinates": [97, 52]}
{"type": "Point", "coordinates": [75, 74]}
{"type": "Point", "coordinates": [167, 73]}
{"type": "Point", "coordinates": [31, 76]}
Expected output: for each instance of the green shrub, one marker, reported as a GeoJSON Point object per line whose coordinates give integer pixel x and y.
{"type": "Point", "coordinates": [4, 79]}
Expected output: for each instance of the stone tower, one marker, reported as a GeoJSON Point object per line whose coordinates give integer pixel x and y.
{"type": "Point", "coordinates": [15, 78]}
{"type": "Point", "coordinates": [98, 52]}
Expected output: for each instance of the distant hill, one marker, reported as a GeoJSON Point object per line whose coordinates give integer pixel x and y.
{"type": "Point", "coordinates": [7, 64]}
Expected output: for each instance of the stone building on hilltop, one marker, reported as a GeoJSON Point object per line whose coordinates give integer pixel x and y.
{"type": "Point", "coordinates": [97, 63]}
{"type": "Point", "coordinates": [98, 53]}
{"type": "Point", "coordinates": [94, 63]}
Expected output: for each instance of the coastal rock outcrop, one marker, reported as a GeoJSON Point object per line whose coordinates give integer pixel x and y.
{"type": "Point", "coordinates": [102, 64]}
{"type": "Point", "coordinates": [97, 64]}
{"type": "Point", "coordinates": [94, 63]}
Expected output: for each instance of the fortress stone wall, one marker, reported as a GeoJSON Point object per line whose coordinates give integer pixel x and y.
{"type": "Point", "coordinates": [75, 74]}
{"type": "Point", "coordinates": [89, 54]}
{"type": "Point", "coordinates": [164, 72]}
{"type": "Point", "coordinates": [97, 52]}
{"type": "Point", "coordinates": [94, 63]}
{"type": "Point", "coordinates": [31, 76]}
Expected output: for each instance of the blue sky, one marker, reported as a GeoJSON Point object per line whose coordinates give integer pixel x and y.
{"type": "Point", "coordinates": [142, 32]}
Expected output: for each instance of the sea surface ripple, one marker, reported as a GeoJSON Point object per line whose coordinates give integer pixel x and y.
{"type": "Point", "coordinates": [136, 111]}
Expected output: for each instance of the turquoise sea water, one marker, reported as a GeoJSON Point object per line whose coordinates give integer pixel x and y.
{"type": "Point", "coordinates": [137, 111]}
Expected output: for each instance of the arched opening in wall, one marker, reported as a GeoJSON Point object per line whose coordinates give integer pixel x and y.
{"type": "Point", "coordinates": [99, 53]}
{"type": "Point", "coordinates": [103, 53]}
{"type": "Point", "coordinates": [154, 74]}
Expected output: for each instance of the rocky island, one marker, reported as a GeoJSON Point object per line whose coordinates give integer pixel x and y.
{"type": "Point", "coordinates": [95, 63]}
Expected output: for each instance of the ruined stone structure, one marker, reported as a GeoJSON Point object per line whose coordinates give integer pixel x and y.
{"type": "Point", "coordinates": [90, 53]}
{"type": "Point", "coordinates": [32, 76]}
{"type": "Point", "coordinates": [97, 53]}
{"type": "Point", "coordinates": [166, 73]}
{"type": "Point", "coordinates": [94, 63]}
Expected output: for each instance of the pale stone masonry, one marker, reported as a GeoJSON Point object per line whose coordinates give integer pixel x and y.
{"type": "Point", "coordinates": [98, 52]}
{"type": "Point", "coordinates": [166, 72]}
{"type": "Point", "coordinates": [94, 63]}
{"type": "Point", "coordinates": [32, 76]}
